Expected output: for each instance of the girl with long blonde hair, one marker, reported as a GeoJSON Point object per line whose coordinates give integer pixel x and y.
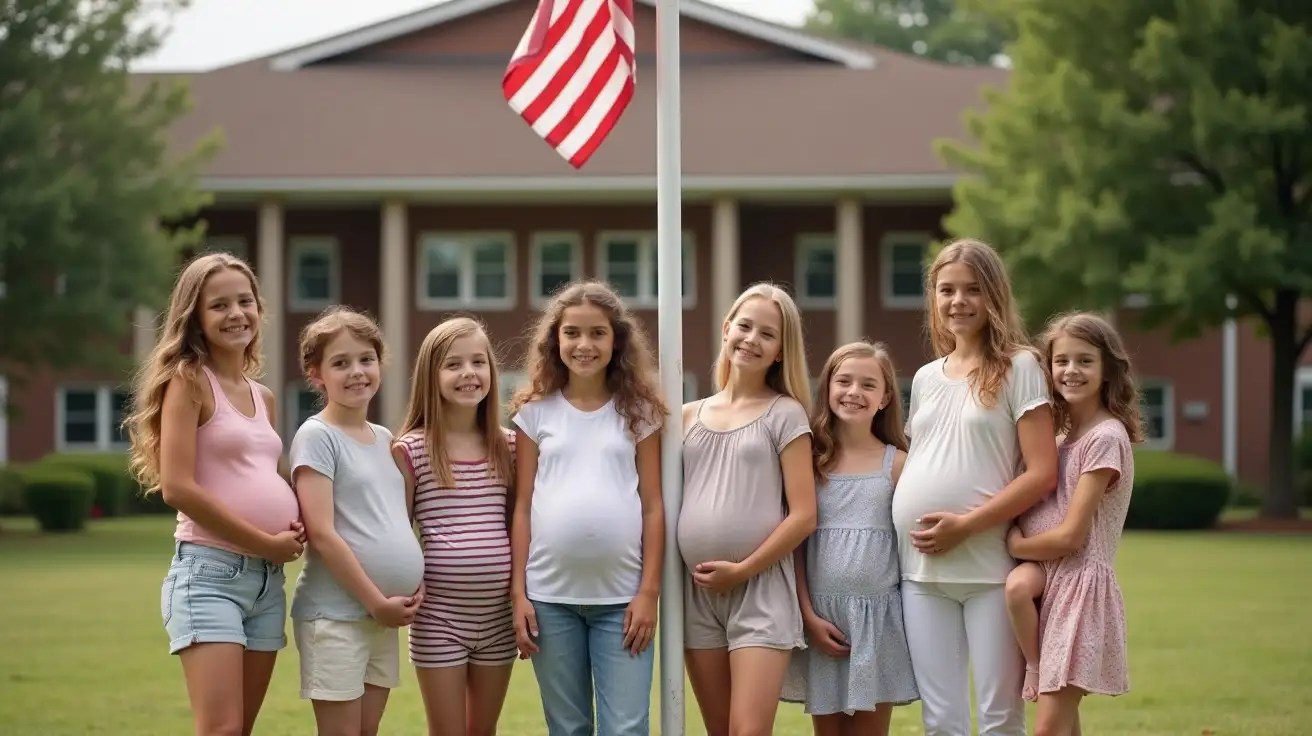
{"type": "Point", "coordinates": [203, 435]}
{"type": "Point", "coordinates": [749, 501]}
{"type": "Point", "coordinates": [978, 413]}
{"type": "Point", "coordinates": [458, 463]}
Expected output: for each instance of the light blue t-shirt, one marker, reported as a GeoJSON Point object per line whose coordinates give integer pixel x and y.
{"type": "Point", "coordinates": [369, 514]}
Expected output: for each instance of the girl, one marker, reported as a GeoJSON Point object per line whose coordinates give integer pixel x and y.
{"type": "Point", "coordinates": [363, 578]}
{"type": "Point", "coordinates": [749, 501]}
{"type": "Point", "coordinates": [203, 435]}
{"type": "Point", "coordinates": [858, 666]}
{"type": "Point", "coordinates": [977, 413]}
{"type": "Point", "coordinates": [457, 460]}
{"type": "Point", "coordinates": [588, 532]}
{"type": "Point", "coordinates": [1071, 536]}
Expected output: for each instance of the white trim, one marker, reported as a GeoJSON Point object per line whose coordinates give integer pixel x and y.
{"type": "Point", "coordinates": [617, 184]}
{"type": "Point", "coordinates": [466, 299]}
{"type": "Point", "coordinates": [537, 242]}
{"type": "Point", "coordinates": [647, 265]}
{"type": "Point", "coordinates": [803, 245]}
{"type": "Point", "coordinates": [104, 417]}
{"type": "Point", "coordinates": [322, 245]}
{"type": "Point", "coordinates": [1167, 440]}
{"type": "Point", "coordinates": [1302, 380]}
{"type": "Point", "coordinates": [446, 12]}
{"type": "Point", "coordinates": [886, 244]}
{"type": "Point", "coordinates": [236, 245]}
{"type": "Point", "coordinates": [292, 408]}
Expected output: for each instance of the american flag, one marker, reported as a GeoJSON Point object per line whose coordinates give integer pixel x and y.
{"type": "Point", "coordinates": [572, 75]}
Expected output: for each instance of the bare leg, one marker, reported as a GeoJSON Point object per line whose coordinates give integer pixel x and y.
{"type": "Point", "coordinates": [443, 692]}
{"type": "Point", "coordinates": [755, 683]}
{"type": "Point", "coordinates": [708, 672]}
{"type": "Point", "coordinates": [338, 717]}
{"type": "Point", "coordinates": [1058, 713]}
{"type": "Point", "coordinates": [871, 723]}
{"type": "Point", "coordinates": [485, 697]}
{"type": "Point", "coordinates": [372, 706]}
{"type": "Point", "coordinates": [214, 674]}
{"type": "Point", "coordinates": [257, 671]}
{"type": "Point", "coordinates": [833, 724]}
{"type": "Point", "coordinates": [1024, 586]}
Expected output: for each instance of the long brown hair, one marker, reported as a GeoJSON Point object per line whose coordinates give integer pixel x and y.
{"type": "Point", "coordinates": [1119, 391]}
{"type": "Point", "coordinates": [887, 424]}
{"type": "Point", "coordinates": [181, 350]}
{"type": "Point", "coordinates": [424, 413]}
{"type": "Point", "coordinates": [787, 376]}
{"type": "Point", "coordinates": [1004, 332]}
{"type": "Point", "coordinates": [631, 373]}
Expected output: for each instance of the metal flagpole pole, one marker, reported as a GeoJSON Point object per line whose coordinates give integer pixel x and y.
{"type": "Point", "coordinates": [669, 298]}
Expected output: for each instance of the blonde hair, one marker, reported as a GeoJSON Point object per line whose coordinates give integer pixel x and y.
{"type": "Point", "coordinates": [788, 376]}
{"type": "Point", "coordinates": [887, 424]}
{"type": "Point", "coordinates": [1119, 392]}
{"type": "Point", "coordinates": [1004, 332]}
{"type": "Point", "coordinates": [181, 350]}
{"type": "Point", "coordinates": [631, 373]}
{"type": "Point", "coordinates": [330, 323]}
{"type": "Point", "coordinates": [424, 412]}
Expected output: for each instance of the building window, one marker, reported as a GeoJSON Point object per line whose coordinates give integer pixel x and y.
{"type": "Point", "coordinates": [1158, 413]}
{"type": "Point", "coordinates": [902, 268]}
{"type": "Point", "coordinates": [91, 418]}
{"type": "Point", "coordinates": [817, 270]}
{"type": "Point", "coordinates": [303, 402]}
{"type": "Point", "coordinates": [904, 392]}
{"type": "Point", "coordinates": [1302, 401]}
{"type": "Point", "coordinates": [466, 270]}
{"type": "Point", "coordinates": [314, 277]}
{"type": "Point", "coordinates": [507, 384]}
{"type": "Point", "coordinates": [627, 260]}
{"type": "Point", "coordinates": [557, 260]}
{"type": "Point", "coordinates": [230, 244]}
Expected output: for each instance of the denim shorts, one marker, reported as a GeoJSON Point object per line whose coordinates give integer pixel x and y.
{"type": "Point", "coordinates": [212, 595]}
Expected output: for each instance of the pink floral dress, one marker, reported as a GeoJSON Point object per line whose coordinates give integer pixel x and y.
{"type": "Point", "coordinates": [1082, 617]}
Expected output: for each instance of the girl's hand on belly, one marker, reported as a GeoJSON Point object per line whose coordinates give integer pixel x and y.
{"type": "Point", "coordinates": [1014, 534]}
{"type": "Point", "coordinates": [946, 531]}
{"type": "Point", "coordinates": [718, 576]}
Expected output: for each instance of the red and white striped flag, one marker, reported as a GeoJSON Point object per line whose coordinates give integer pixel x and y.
{"type": "Point", "coordinates": [572, 75]}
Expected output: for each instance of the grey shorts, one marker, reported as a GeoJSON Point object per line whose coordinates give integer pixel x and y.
{"type": "Point", "coordinates": [212, 595]}
{"type": "Point", "coordinates": [762, 612]}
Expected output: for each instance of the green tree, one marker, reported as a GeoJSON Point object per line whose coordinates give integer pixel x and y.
{"type": "Point", "coordinates": [89, 180]}
{"type": "Point", "coordinates": [1161, 148]}
{"type": "Point", "coordinates": [943, 30]}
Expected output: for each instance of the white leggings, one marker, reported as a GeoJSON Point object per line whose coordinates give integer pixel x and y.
{"type": "Point", "coordinates": [951, 625]}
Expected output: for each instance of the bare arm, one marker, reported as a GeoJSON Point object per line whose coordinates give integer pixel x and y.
{"type": "Point", "coordinates": [1073, 531]}
{"type": "Point", "coordinates": [799, 490]}
{"type": "Point", "coordinates": [315, 490]}
{"type": "Point", "coordinates": [403, 464]}
{"type": "Point", "coordinates": [1039, 449]}
{"type": "Point", "coordinates": [177, 465]}
{"type": "Point", "coordinates": [899, 462]}
{"type": "Point", "coordinates": [526, 467]}
{"type": "Point", "coordinates": [653, 514]}
{"type": "Point", "coordinates": [803, 588]}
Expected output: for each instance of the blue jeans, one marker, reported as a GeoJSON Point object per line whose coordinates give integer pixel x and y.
{"type": "Point", "coordinates": [582, 645]}
{"type": "Point", "coordinates": [212, 595]}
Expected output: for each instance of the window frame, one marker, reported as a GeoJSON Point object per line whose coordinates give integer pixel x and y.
{"type": "Point", "coordinates": [465, 299]}
{"type": "Point", "coordinates": [1302, 382]}
{"type": "Point", "coordinates": [887, 244]}
{"type": "Point", "coordinates": [804, 245]}
{"type": "Point", "coordinates": [537, 243]}
{"type": "Point", "coordinates": [647, 245]}
{"type": "Point", "coordinates": [1167, 387]}
{"type": "Point", "coordinates": [299, 245]}
{"type": "Point", "coordinates": [291, 408]}
{"type": "Point", "coordinates": [104, 417]}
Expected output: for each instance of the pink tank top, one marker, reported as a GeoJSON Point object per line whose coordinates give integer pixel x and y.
{"type": "Point", "coordinates": [237, 462]}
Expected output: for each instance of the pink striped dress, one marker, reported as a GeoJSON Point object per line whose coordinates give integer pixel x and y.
{"type": "Point", "coordinates": [466, 616]}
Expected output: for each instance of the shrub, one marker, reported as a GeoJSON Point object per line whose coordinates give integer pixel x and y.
{"type": "Point", "coordinates": [1173, 491]}
{"type": "Point", "coordinates": [109, 472]}
{"type": "Point", "coordinates": [11, 491]}
{"type": "Point", "coordinates": [59, 498]}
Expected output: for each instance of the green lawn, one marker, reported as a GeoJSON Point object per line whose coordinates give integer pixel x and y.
{"type": "Point", "coordinates": [1220, 642]}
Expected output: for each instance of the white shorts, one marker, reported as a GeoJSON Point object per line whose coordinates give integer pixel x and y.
{"type": "Point", "coordinates": [338, 658]}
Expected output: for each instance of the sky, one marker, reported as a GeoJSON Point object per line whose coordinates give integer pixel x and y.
{"type": "Point", "coordinates": [212, 33]}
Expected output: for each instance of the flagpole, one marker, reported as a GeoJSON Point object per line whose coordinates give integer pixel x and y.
{"type": "Point", "coordinates": [669, 299]}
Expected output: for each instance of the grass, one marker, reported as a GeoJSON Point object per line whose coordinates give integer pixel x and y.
{"type": "Point", "coordinates": [1219, 642]}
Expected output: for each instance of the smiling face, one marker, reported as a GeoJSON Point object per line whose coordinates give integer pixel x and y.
{"type": "Point", "coordinates": [857, 391]}
{"type": "Point", "coordinates": [753, 338]}
{"type": "Point", "coordinates": [1077, 369]}
{"type": "Point", "coordinates": [349, 372]}
{"type": "Point", "coordinates": [465, 374]}
{"type": "Point", "coordinates": [229, 311]}
{"type": "Point", "coordinates": [959, 300]}
{"type": "Point", "coordinates": [587, 340]}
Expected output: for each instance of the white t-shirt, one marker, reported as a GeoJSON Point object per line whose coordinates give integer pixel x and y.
{"type": "Point", "coordinates": [962, 454]}
{"type": "Point", "coordinates": [586, 522]}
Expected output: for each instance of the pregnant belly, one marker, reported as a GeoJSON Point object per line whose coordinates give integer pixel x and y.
{"type": "Point", "coordinates": [462, 562]}
{"type": "Point", "coordinates": [396, 567]}
{"type": "Point", "coordinates": [729, 537]}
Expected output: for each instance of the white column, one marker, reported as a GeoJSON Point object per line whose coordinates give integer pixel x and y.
{"type": "Point", "coordinates": [1230, 390]}
{"type": "Point", "coordinates": [726, 274]}
{"type": "Point", "coordinates": [271, 258]}
{"type": "Point", "coordinates": [394, 312]}
{"type": "Point", "coordinates": [850, 264]}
